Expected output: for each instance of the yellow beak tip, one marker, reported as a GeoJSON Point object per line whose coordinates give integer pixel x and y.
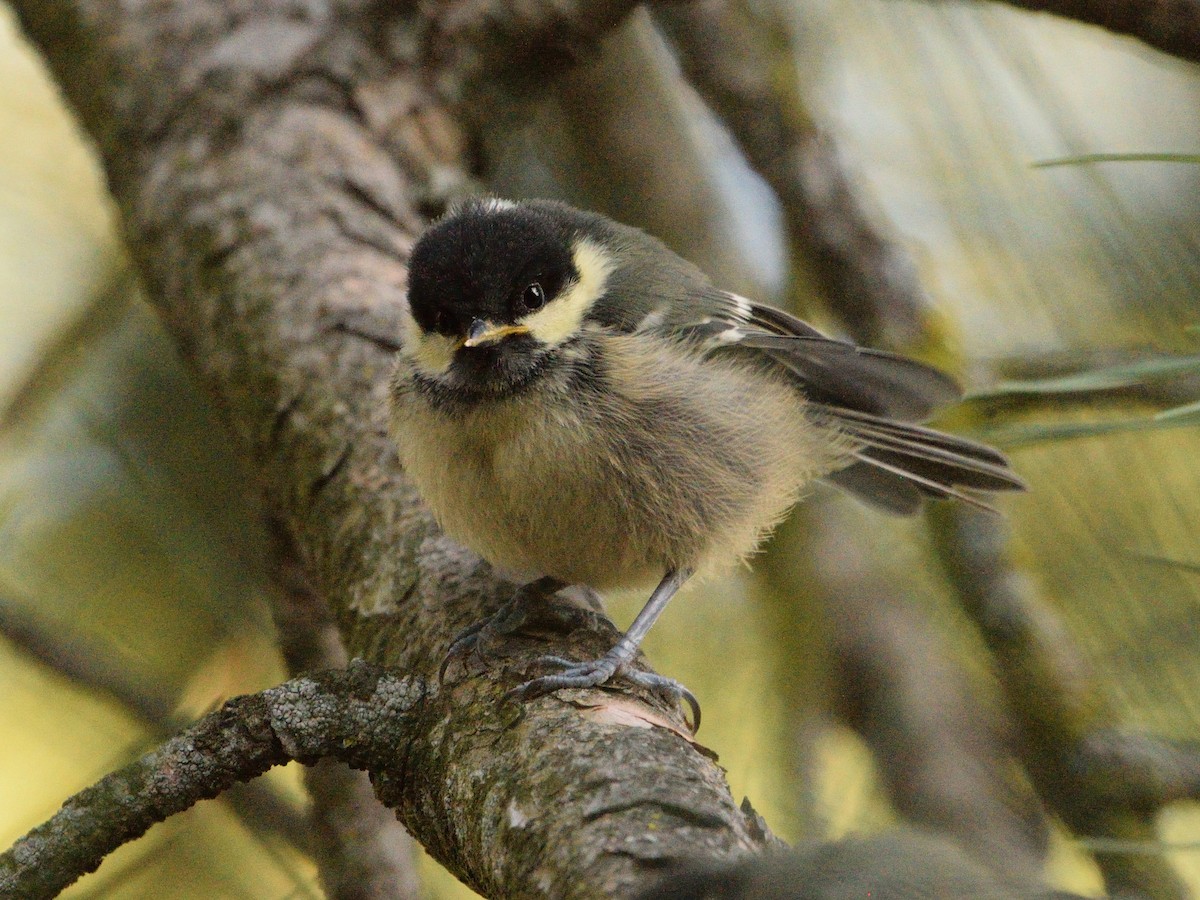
{"type": "Point", "coordinates": [495, 333]}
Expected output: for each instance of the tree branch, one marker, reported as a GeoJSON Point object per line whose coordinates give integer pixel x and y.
{"type": "Point", "coordinates": [1065, 725]}
{"type": "Point", "coordinates": [1137, 772]}
{"type": "Point", "coordinates": [359, 716]}
{"type": "Point", "coordinates": [868, 278]}
{"type": "Point", "coordinates": [1172, 26]}
{"type": "Point", "coordinates": [269, 160]}
{"type": "Point", "coordinates": [467, 41]}
{"type": "Point", "coordinates": [361, 851]}
{"type": "Point", "coordinates": [88, 663]}
{"type": "Point", "coordinates": [95, 667]}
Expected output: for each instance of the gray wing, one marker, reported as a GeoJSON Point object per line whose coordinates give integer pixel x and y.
{"type": "Point", "coordinates": [874, 396]}
{"type": "Point", "coordinates": [832, 372]}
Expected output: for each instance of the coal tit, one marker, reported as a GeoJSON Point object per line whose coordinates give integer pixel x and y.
{"type": "Point", "coordinates": [582, 406]}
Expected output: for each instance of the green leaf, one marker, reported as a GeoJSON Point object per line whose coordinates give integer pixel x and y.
{"type": "Point", "coordinates": [1189, 411]}
{"type": "Point", "coordinates": [1183, 564]}
{"type": "Point", "coordinates": [1024, 435]}
{"type": "Point", "coordinates": [1117, 845]}
{"type": "Point", "coordinates": [1087, 158]}
{"type": "Point", "coordinates": [1123, 375]}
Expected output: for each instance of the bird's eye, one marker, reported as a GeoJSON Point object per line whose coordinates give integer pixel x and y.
{"type": "Point", "coordinates": [533, 297]}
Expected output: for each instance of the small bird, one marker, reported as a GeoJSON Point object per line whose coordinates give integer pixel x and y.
{"type": "Point", "coordinates": [581, 406]}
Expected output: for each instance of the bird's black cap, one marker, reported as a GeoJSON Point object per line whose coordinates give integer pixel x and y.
{"type": "Point", "coordinates": [476, 262]}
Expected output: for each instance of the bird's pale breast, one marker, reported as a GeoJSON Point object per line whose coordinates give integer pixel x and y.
{"type": "Point", "coordinates": [652, 458]}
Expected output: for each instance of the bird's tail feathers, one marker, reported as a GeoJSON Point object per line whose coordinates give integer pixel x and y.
{"type": "Point", "coordinates": [898, 463]}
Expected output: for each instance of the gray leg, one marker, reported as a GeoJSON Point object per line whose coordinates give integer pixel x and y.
{"type": "Point", "coordinates": [615, 662]}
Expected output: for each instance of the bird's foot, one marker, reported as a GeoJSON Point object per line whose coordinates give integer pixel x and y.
{"type": "Point", "coordinates": [596, 672]}
{"type": "Point", "coordinates": [531, 609]}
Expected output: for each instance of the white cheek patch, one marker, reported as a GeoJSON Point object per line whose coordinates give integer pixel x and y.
{"type": "Point", "coordinates": [431, 353]}
{"type": "Point", "coordinates": [562, 317]}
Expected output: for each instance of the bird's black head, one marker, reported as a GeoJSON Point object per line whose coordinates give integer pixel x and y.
{"type": "Point", "coordinates": [494, 288]}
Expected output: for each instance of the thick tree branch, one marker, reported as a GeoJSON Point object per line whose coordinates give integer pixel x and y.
{"type": "Point", "coordinates": [359, 716]}
{"type": "Point", "coordinates": [1172, 26]}
{"type": "Point", "coordinates": [253, 148]}
{"type": "Point", "coordinates": [468, 41]}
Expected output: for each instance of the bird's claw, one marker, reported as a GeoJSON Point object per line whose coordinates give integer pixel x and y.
{"type": "Point", "coordinates": [508, 620]}
{"type": "Point", "coordinates": [676, 691]}
{"type": "Point", "coordinates": [597, 672]}
{"type": "Point", "coordinates": [468, 640]}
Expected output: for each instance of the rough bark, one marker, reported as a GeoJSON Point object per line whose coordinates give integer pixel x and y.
{"type": "Point", "coordinates": [300, 720]}
{"type": "Point", "coordinates": [361, 851]}
{"type": "Point", "coordinates": [274, 161]}
{"type": "Point", "coordinates": [100, 669]}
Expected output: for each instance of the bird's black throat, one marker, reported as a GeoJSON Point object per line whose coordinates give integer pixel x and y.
{"type": "Point", "coordinates": [487, 374]}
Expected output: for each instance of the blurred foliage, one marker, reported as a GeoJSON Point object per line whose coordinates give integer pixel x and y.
{"type": "Point", "coordinates": [1127, 375]}
{"type": "Point", "coordinates": [1089, 387]}
{"type": "Point", "coordinates": [120, 505]}
{"type": "Point", "coordinates": [121, 511]}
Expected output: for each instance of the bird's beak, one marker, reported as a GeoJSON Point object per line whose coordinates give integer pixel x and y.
{"type": "Point", "coordinates": [482, 332]}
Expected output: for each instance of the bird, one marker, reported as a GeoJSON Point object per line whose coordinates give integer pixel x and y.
{"type": "Point", "coordinates": [580, 405]}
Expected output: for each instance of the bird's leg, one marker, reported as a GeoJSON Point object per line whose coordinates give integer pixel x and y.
{"type": "Point", "coordinates": [531, 609]}
{"type": "Point", "coordinates": [616, 661]}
